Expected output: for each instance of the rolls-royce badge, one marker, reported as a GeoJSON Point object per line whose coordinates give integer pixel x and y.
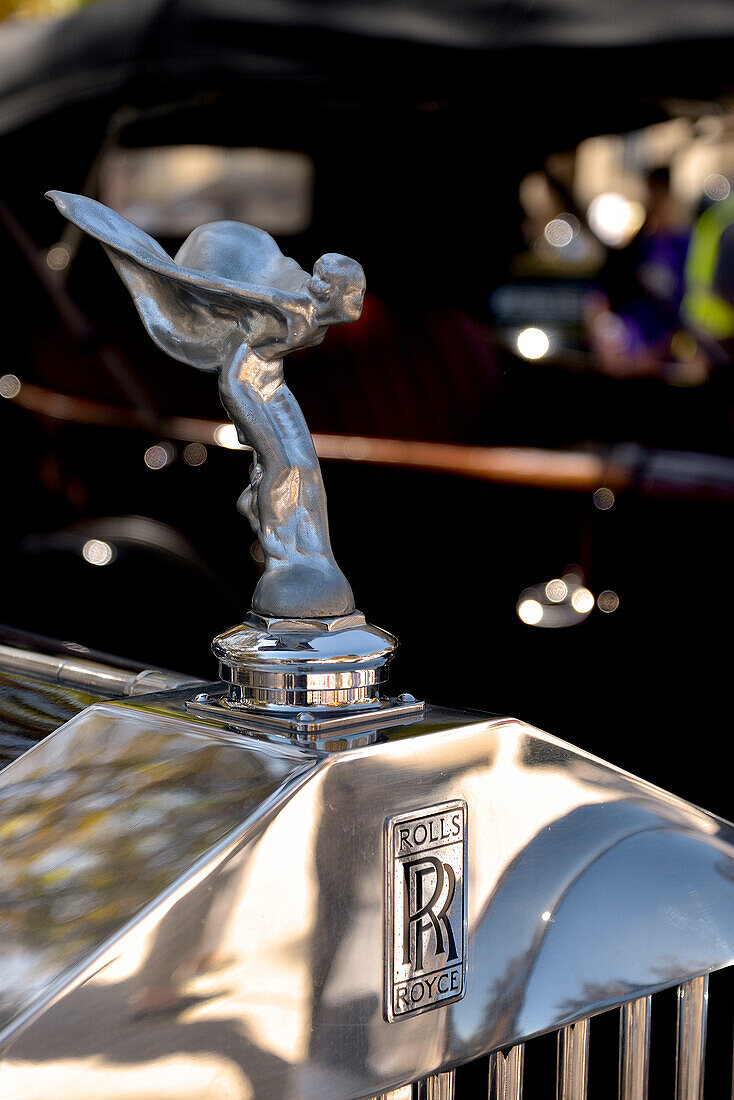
{"type": "Point", "coordinates": [426, 909]}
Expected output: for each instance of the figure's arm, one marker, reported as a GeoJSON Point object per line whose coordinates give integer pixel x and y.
{"type": "Point", "coordinates": [268, 297]}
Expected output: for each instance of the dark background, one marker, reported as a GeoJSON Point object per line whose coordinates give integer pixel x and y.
{"type": "Point", "coordinates": [421, 121]}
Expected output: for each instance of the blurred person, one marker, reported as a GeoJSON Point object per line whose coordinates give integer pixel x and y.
{"type": "Point", "coordinates": [708, 303]}
{"type": "Point", "coordinates": [633, 316]}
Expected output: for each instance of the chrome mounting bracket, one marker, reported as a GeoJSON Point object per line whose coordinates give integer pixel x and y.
{"type": "Point", "coordinates": [387, 712]}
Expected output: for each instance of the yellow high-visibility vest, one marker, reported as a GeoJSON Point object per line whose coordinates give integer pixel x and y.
{"type": "Point", "coordinates": [702, 307]}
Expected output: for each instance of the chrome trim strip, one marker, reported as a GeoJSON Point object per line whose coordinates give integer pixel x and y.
{"type": "Point", "coordinates": [573, 1061]}
{"type": "Point", "coordinates": [634, 1049]}
{"type": "Point", "coordinates": [93, 675]}
{"type": "Point", "coordinates": [690, 1049]}
{"type": "Point", "coordinates": [506, 1073]}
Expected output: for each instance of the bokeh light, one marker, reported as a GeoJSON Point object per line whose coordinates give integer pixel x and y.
{"type": "Point", "coordinates": [716, 186]}
{"type": "Point", "coordinates": [558, 233]}
{"type": "Point", "coordinates": [560, 602]}
{"type": "Point", "coordinates": [608, 601]}
{"type": "Point", "coordinates": [582, 601]}
{"type": "Point", "coordinates": [58, 257]}
{"type": "Point", "coordinates": [195, 454]}
{"type": "Point", "coordinates": [603, 499]}
{"type": "Point", "coordinates": [556, 590]}
{"type": "Point", "coordinates": [9, 385]}
{"type": "Point", "coordinates": [530, 611]}
{"type": "Point", "coordinates": [159, 456]}
{"type": "Point", "coordinates": [533, 343]}
{"type": "Point", "coordinates": [98, 552]}
{"type": "Point", "coordinates": [226, 436]}
{"type": "Point", "coordinates": [615, 219]}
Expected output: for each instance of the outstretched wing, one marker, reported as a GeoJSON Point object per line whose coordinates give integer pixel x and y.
{"type": "Point", "coordinates": [188, 313]}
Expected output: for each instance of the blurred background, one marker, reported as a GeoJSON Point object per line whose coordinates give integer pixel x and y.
{"type": "Point", "coordinates": [526, 440]}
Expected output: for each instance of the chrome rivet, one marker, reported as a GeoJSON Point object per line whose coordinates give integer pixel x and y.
{"type": "Point", "coordinates": [304, 716]}
{"type": "Point", "coordinates": [406, 697]}
{"type": "Point", "coordinates": [202, 697]}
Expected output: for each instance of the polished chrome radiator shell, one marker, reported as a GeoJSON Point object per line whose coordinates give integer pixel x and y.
{"type": "Point", "coordinates": [191, 908]}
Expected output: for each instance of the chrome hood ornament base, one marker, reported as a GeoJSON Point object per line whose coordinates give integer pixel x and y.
{"type": "Point", "coordinates": [314, 665]}
{"type": "Point", "coordinates": [310, 678]}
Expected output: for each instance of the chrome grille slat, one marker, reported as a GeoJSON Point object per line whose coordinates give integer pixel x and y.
{"type": "Point", "coordinates": [634, 1049]}
{"type": "Point", "coordinates": [506, 1073]}
{"type": "Point", "coordinates": [691, 1038]}
{"type": "Point", "coordinates": [439, 1086]}
{"type": "Point", "coordinates": [573, 1061]}
{"type": "Point", "coordinates": [645, 1060]}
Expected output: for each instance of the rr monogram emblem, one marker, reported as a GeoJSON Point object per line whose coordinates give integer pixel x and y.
{"type": "Point", "coordinates": [426, 909]}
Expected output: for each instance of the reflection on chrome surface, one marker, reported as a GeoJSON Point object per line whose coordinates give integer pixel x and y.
{"type": "Point", "coordinates": [200, 913]}
{"type": "Point", "coordinates": [99, 821]}
{"type": "Point", "coordinates": [30, 710]}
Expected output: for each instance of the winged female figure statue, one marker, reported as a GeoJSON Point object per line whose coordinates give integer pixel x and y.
{"type": "Point", "coordinates": [231, 302]}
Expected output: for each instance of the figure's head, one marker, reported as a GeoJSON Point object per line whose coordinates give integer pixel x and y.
{"type": "Point", "coordinates": [339, 284]}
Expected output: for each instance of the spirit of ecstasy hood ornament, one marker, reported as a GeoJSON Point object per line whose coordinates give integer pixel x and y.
{"type": "Point", "coordinates": [231, 302]}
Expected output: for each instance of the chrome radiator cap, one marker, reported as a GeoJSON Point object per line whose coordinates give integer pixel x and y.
{"type": "Point", "coordinates": [304, 664]}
